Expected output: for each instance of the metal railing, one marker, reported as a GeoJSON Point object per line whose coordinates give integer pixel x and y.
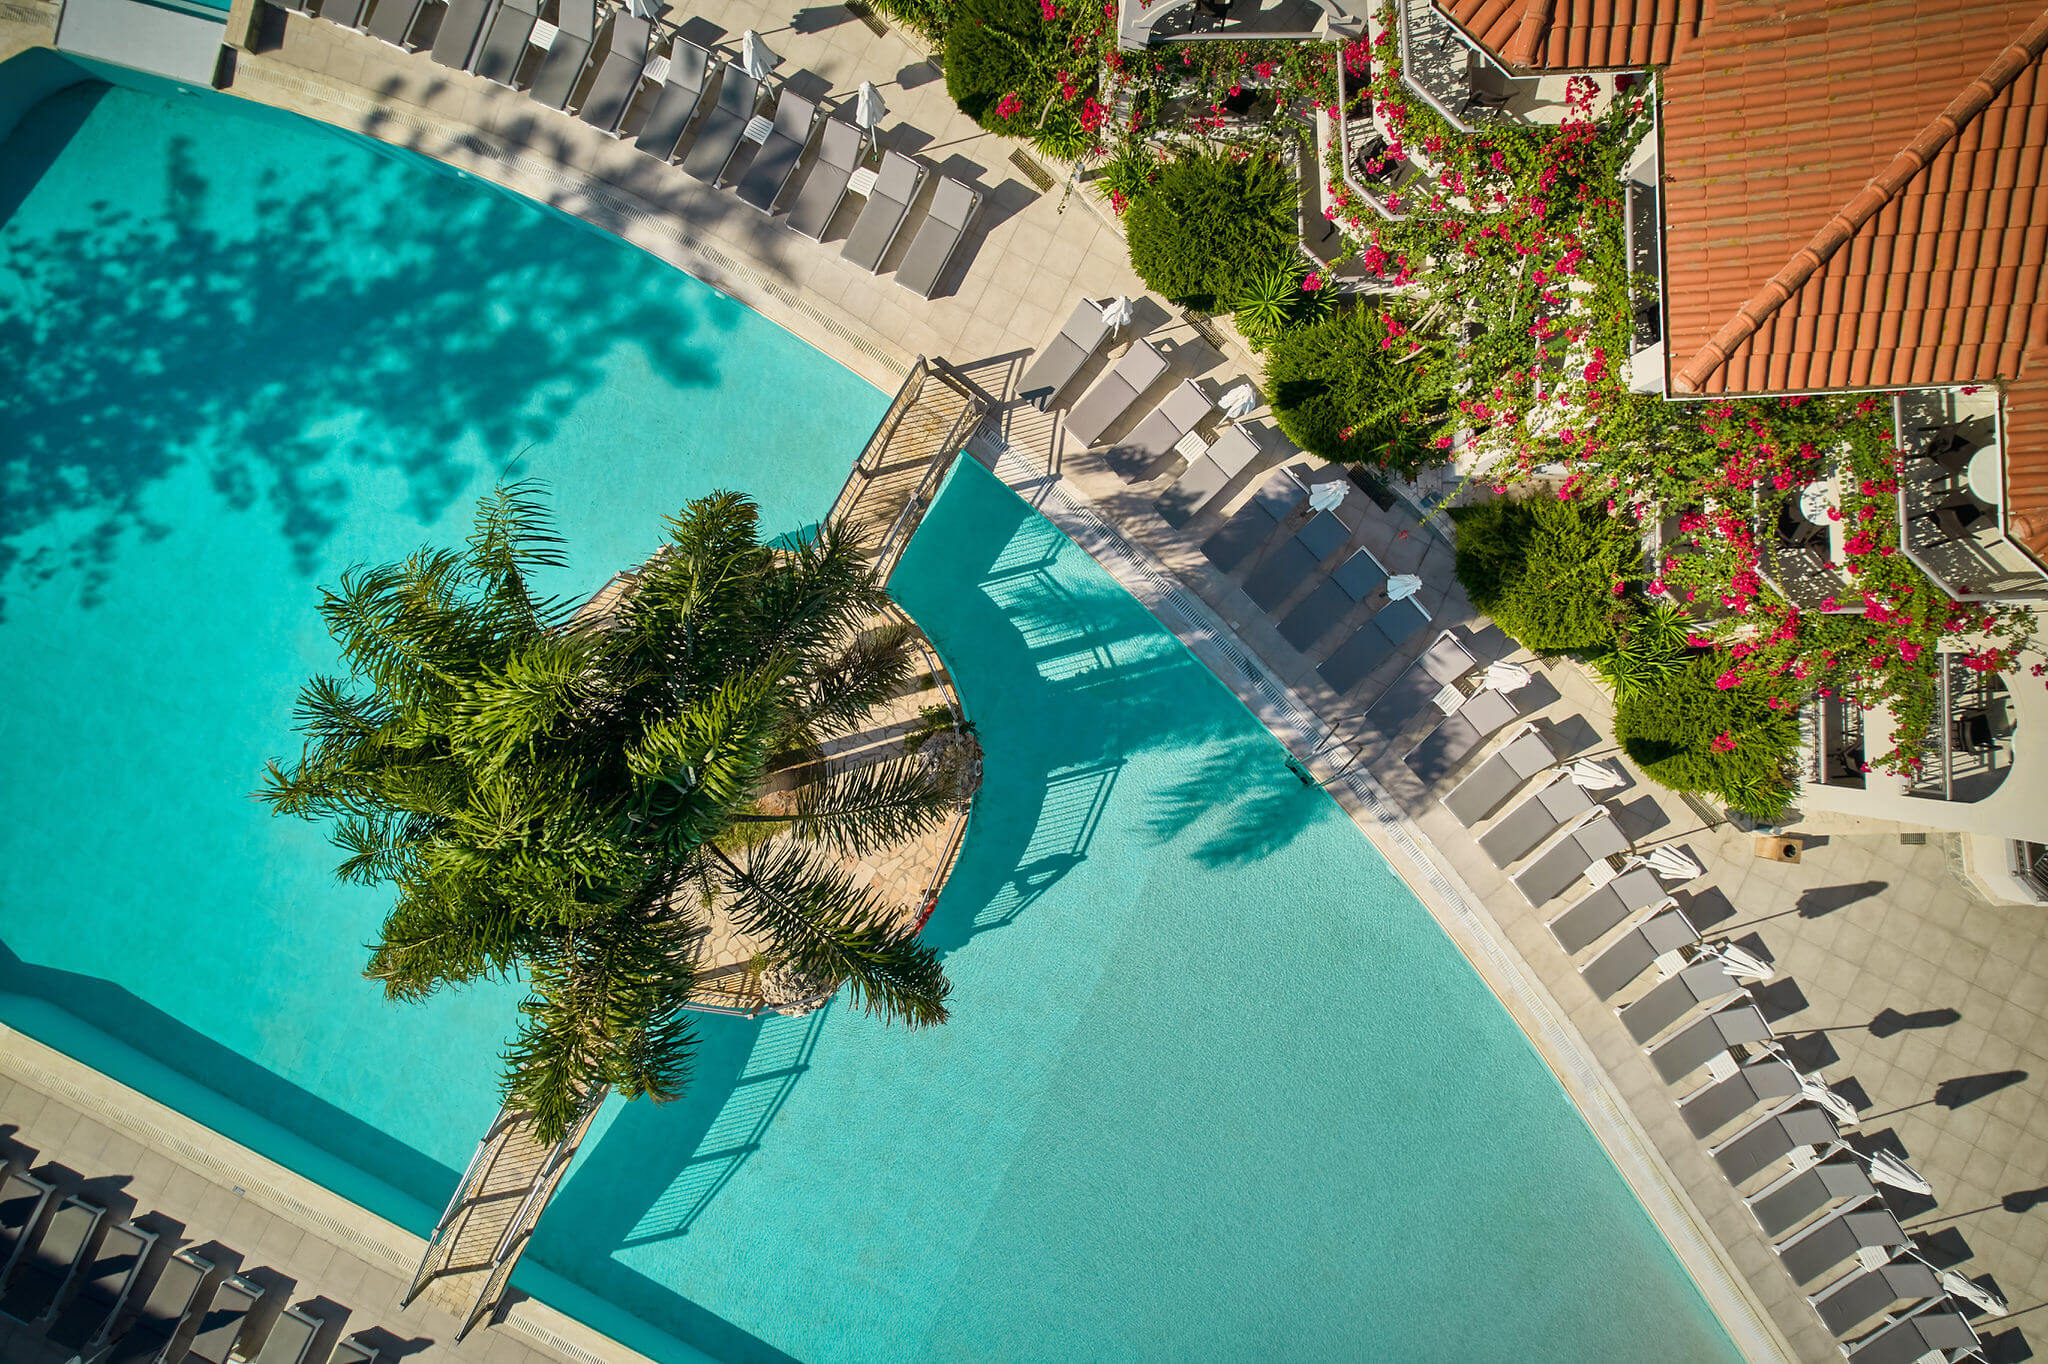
{"type": "Point", "coordinates": [512, 1244]}
{"type": "Point", "coordinates": [440, 1244]}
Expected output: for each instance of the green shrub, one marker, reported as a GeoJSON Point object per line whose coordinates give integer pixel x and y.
{"type": "Point", "coordinates": [1004, 61]}
{"type": "Point", "coordinates": [1546, 570]}
{"type": "Point", "coordinates": [1649, 652]}
{"type": "Point", "coordinates": [1691, 734]}
{"type": "Point", "coordinates": [1212, 224]}
{"type": "Point", "coordinates": [1349, 388]}
{"type": "Point", "coordinates": [930, 18]}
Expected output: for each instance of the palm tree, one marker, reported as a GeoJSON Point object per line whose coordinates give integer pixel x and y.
{"type": "Point", "coordinates": [562, 795]}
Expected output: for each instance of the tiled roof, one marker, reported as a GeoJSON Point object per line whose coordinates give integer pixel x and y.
{"type": "Point", "coordinates": [2026, 449]}
{"type": "Point", "coordinates": [1581, 34]}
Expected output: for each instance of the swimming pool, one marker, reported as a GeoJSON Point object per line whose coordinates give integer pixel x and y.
{"type": "Point", "coordinates": [1216, 1085]}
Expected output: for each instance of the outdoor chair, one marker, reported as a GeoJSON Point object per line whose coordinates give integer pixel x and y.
{"type": "Point", "coordinates": [1568, 859]}
{"type": "Point", "coordinates": [1770, 1139]}
{"type": "Point", "coordinates": [840, 148]}
{"type": "Point", "coordinates": [393, 21]}
{"type": "Point", "coordinates": [623, 57]}
{"type": "Point", "coordinates": [22, 1200]}
{"type": "Point", "coordinates": [462, 24]}
{"type": "Point", "coordinates": [354, 1350]}
{"type": "Point", "coordinates": [1523, 829]}
{"type": "Point", "coordinates": [774, 163]}
{"type": "Point", "coordinates": [1599, 912]}
{"type": "Point", "coordinates": [1857, 1298]}
{"type": "Point", "coordinates": [506, 39]}
{"type": "Point", "coordinates": [1457, 735]}
{"type": "Point", "coordinates": [1154, 438]}
{"type": "Point", "coordinates": [1722, 1102]}
{"type": "Point", "coordinates": [104, 1282]}
{"type": "Point", "coordinates": [881, 217]}
{"type": "Point", "coordinates": [1711, 1037]}
{"type": "Point", "coordinates": [1608, 974]}
{"type": "Point", "coordinates": [1242, 535]}
{"type": "Point", "coordinates": [1349, 583]}
{"type": "Point", "coordinates": [1227, 456]}
{"type": "Point", "coordinates": [346, 13]}
{"type": "Point", "coordinates": [954, 206]}
{"type": "Point", "coordinates": [220, 1329]}
{"type": "Point", "coordinates": [1062, 357]}
{"type": "Point", "coordinates": [1114, 393]}
{"type": "Point", "coordinates": [682, 91]}
{"type": "Point", "coordinates": [42, 1274]}
{"type": "Point", "coordinates": [290, 1339]}
{"type": "Point", "coordinates": [561, 66]}
{"type": "Point", "coordinates": [1668, 1001]}
{"type": "Point", "coordinates": [1287, 567]}
{"type": "Point", "coordinates": [173, 1298]}
{"type": "Point", "coordinates": [1442, 663]}
{"type": "Point", "coordinates": [1828, 1242]}
{"type": "Point", "coordinates": [1373, 643]}
{"type": "Point", "coordinates": [1500, 776]}
{"type": "Point", "coordinates": [722, 130]}
{"type": "Point", "coordinates": [1784, 1205]}
{"type": "Point", "coordinates": [1910, 1340]}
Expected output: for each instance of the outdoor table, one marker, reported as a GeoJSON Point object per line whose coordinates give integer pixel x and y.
{"type": "Point", "coordinates": [1982, 478]}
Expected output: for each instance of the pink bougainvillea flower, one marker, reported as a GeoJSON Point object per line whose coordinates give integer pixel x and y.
{"type": "Point", "coordinates": [1728, 680]}
{"type": "Point", "coordinates": [1312, 282]}
{"type": "Point", "coordinates": [1724, 742]}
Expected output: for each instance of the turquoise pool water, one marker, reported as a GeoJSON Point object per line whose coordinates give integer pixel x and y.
{"type": "Point", "coordinates": [1216, 1086]}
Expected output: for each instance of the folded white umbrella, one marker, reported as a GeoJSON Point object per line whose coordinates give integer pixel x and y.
{"type": "Point", "coordinates": [1505, 676]}
{"type": "Point", "coordinates": [1240, 402]}
{"type": "Point", "coordinates": [868, 108]}
{"type": "Point", "coordinates": [1741, 962]}
{"type": "Point", "coordinates": [1672, 863]}
{"type": "Point", "coordinates": [1969, 1290]}
{"type": "Point", "coordinates": [1887, 1168]}
{"type": "Point", "coordinates": [755, 56]}
{"type": "Point", "coordinates": [1118, 311]}
{"type": "Point", "coordinates": [1595, 776]}
{"type": "Point", "coordinates": [1813, 1090]}
{"type": "Point", "coordinates": [1328, 496]}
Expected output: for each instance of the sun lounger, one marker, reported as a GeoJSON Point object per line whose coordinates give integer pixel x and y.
{"type": "Point", "coordinates": [562, 67]}
{"type": "Point", "coordinates": [1781, 1206]}
{"type": "Point", "coordinates": [1831, 1240]}
{"type": "Point", "coordinates": [1910, 1340]}
{"type": "Point", "coordinates": [1712, 1036]}
{"type": "Point", "coordinates": [43, 1272]}
{"type": "Point", "coordinates": [221, 1328]}
{"type": "Point", "coordinates": [1242, 535]}
{"type": "Point", "coordinates": [840, 148]}
{"type": "Point", "coordinates": [172, 1298]}
{"type": "Point", "coordinates": [689, 71]}
{"type": "Point", "coordinates": [1210, 473]}
{"type": "Point", "coordinates": [1456, 735]}
{"type": "Point", "coordinates": [354, 1350]}
{"type": "Point", "coordinates": [22, 1200]}
{"type": "Point", "coordinates": [1600, 911]}
{"type": "Point", "coordinates": [623, 56]}
{"type": "Point", "coordinates": [1490, 784]}
{"type": "Point", "coordinates": [1670, 1000]}
{"type": "Point", "coordinates": [104, 1282]}
{"type": "Point", "coordinates": [1114, 393]}
{"type": "Point", "coordinates": [722, 130]}
{"type": "Point", "coordinates": [1721, 1103]}
{"type": "Point", "coordinates": [462, 24]}
{"type": "Point", "coordinates": [1770, 1139]}
{"type": "Point", "coordinates": [1523, 829]}
{"type": "Point", "coordinates": [1560, 867]}
{"type": "Point", "coordinates": [954, 204]}
{"type": "Point", "coordinates": [1349, 583]}
{"type": "Point", "coordinates": [1442, 663]}
{"type": "Point", "coordinates": [1062, 357]}
{"type": "Point", "coordinates": [347, 13]}
{"type": "Point", "coordinates": [295, 6]}
{"type": "Point", "coordinates": [1859, 1297]}
{"type": "Point", "coordinates": [393, 21]}
{"type": "Point", "coordinates": [1294, 562]}
{"type": "Point", "coordinates": [1162, 428]}
{"type": "Point", "coordinates": [1373, 643]}
{"type": "Point", "coordinates": [881, 217]}
{"type": "Point", "coordinates": [789, 132]}
{"type": "Point", "coordinates": [1608, 974]}
{"type": "Point", "coordinates": [290, 1339]}
{"type": "Point", "coordinates": [506, 38]}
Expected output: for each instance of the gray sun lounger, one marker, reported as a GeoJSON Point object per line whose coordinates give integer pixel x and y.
{"type": "Point", "coordinates": [506, 38]}
{"type": "Point", "coordinates": [1457, 735]}
{"type": "Point", "coordinates": [1608, 974]}
{"type": "Point", "coordinates": [174, 1297]}
{"type": "Point", "coordinates": [954, 206]}
{"type": "Point", "coordinates": [1830, 1241]}
{"type": "Point", "coordinates": [1722, 1102]}
{"type": "Point", "coordinates": [1523, 829]}
{"type": "Point", "coordinates": [1114, 393]}
{"type": "Point", "coordinates": [561, 69]}
{"type": "Point", "coordinates": [220, 1329]}
{"type": "Point", "coordinates": [1227, 456]}
{"type": "Point", "coordinates": [1559, 868]}
{"type": "Point", "coordinates": [623, 58]}
{"type": "Point", "coordinates": [1287, 567]}
{"type": "Point", "coordinates": [1785, 1204]}
{"type": "Point", "coordinates": [354, 1350]}
{"type": "Point", "coordinates": [393, 21]}
{"type": "Point", "coordinates": [1154, 437]}
{"type": "Point", "coordinates": [347, 13]}
{"type": "Point", "coordinates": [1859, 1297]}
{"type": "Point", "coordinates": [290, 1339]}
{"type": "Point", "coordinates": [1710, 1037]}
{"type": "Point", "coordinates": [1349, 583]}
{"type": "Point", "coordinates": [1600, 911]}
{"type": "Point", "coordinates": [1668, 1001]}
{"type": "Point", "coordinates": [719, 136]}
{"type": "Point", "coordinates": [1913, 1338]}
{"type": "Point", "coordinates": [104, 1282]}
{"type": "Point", "coordinates": [1770, 1139]}
{"type": "Point", "coordinates": [789, 133]}
{"type": "Point", "coordinates": [881, 217]}
{"type": "Point", "coordinates": [22, 1200]}
{"type": "Point", "coordinates": [1062, 357]}
{"type": "Point", "coordinates": [1373, 643]}
{"type": "Point", "coordinates": [462, 24]}
{"type": "Point", "coordinates": [1241, 536]}
{"type": "Point", "coordinates": [1442, 663]}
{"type": "Point", "coordinates": [840, 148]}
{"type": "Point", "coordinates": [1490, 784]}
{"type": "Point", "coordinates": [689, 71]}
{"type": "Point", "coordinates": [47, 1268]}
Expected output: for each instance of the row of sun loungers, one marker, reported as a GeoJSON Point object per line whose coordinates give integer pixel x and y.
{"type": "Point", "coordinates": [80, 1291]}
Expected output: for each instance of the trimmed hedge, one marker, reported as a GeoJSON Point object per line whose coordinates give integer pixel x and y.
{"type": "Point", "coordinates": [999, 48]}
{"type": "Point", "coordinates": [1691, 734]}
{"type": "Point", "coordinates": [1212, 225]}
{"type": "Point", "coordinates": [1349, 389]}
{"type": "Point", "coordinates": [1546, 570]}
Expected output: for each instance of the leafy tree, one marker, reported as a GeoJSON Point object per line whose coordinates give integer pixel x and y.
{"type": "Point", "coordinates": [561, 794]}
{"type": "Point", "coordinates": [1212, 224]}
{"type": "Point", "coordinates": [1002, 62]}
{"type": "Point", "coordinates": [1705, 730]}
{"type": "Point", "coordinates": [1360, 388]}
{"type": "Point", "coordinates": [1548, 571]}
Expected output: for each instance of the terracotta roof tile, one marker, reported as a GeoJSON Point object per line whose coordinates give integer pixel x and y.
{"type": "Point", "coordinates": [2026, 452]}
{"type": "Point", "coordinates": [1579, 34]}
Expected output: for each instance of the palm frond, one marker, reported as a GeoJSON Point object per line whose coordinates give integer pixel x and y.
{"type": "Point", "coordinates": [840, 689]}
{"type": "Point", "coordinates": [862, 808]}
